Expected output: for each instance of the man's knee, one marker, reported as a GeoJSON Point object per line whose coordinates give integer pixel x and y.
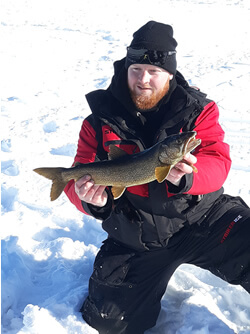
{"type": "Point", "coordinates": [235, 263]}
{"type": "Point", "coordinates": [116, 308]}
{"type": "Point", "coordinates": [122, 300]}
{"type": "Point", "coordinates": [111, 322]}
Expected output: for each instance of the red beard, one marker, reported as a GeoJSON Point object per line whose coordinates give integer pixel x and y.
{"type": "Point", "coordinates": [143, 102]}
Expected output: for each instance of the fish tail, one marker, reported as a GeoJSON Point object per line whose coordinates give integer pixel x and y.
{"type": "Point", "coordinates": [58, 183]}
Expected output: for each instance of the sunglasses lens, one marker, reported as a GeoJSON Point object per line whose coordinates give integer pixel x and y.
{"type": "Point", "coordinates": [151, 56]}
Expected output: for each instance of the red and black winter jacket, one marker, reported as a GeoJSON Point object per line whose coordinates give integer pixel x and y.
{"type": "Point", "coordinates": [146, 216]}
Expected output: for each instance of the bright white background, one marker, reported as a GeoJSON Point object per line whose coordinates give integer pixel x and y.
{"type": "Point", "coordinates": [53, 53]}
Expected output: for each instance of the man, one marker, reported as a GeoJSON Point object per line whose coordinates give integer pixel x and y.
{"type": "Point", "coordinates": [155, 227]}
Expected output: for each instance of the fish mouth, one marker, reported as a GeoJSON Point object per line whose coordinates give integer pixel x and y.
{"type": "Point", "coordinates": [192, 143]}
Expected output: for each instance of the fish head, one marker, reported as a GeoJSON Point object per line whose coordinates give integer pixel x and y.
{"type": "Point", "coordinates": [173, 148]}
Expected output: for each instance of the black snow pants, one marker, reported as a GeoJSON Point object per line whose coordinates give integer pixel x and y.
{"type": "Point", "coordinates": [126, 286]}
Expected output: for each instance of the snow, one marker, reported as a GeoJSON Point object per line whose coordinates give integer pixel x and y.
{"type": "Point", "coordinates": [53, 53]}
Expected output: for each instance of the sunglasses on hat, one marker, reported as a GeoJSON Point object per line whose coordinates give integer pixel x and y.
{"type": "Point", "coordinates": [149, 56]}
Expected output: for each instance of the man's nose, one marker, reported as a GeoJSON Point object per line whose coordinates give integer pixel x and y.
{"type": "Point", "coordinates": [145, 77]}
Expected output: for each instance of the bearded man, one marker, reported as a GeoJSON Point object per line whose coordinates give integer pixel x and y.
{"type": "Point", "coordinates": [153, 228]}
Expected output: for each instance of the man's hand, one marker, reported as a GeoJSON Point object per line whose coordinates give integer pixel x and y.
{"type": "Point", "coordinates": [181, 168]}
{"type": "Point", "coordinates": [89, 192]}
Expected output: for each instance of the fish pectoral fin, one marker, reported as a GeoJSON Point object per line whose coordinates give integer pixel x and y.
{"type": "Point", "coordinates": [115, 152]}
{"type": "Point", "coordinates": [117, 191]}
{"type": "Point", "coordinates": [162, 172]}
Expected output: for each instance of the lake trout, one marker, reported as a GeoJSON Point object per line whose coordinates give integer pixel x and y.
{"type": "Point", "coordinates": [123, 170]}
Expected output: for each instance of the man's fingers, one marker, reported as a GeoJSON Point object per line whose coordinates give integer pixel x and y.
{"type": "Point", "coordinates": [190, 158]}
{"type": "Point", "coordinates": [82, 180]}
{"type": "Point", "coordinates": [186, 165]}
{"type": "Point", "coordinates": [89, 192]}
{"type": "Point", "coordinates": [183, 168]}
{"type": "Point", "coordinates": [96, 195]}
{"type": "Point", "coordinates": [101, 195]}
{"type": "Point", "coordinates": [85, 189]}
{"type": "Point", "coordinates": [100, 191]}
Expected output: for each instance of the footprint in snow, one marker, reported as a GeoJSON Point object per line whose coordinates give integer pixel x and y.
{"type": "Point", "coordinates": [67, 150]}
{"type": "Point", "coordinates": [9, 168]}
{"type": "Point", "coordinates": [12, 98]}
{"type": "Point", "coordinates": [8, 198]}
{"type": "Point", "coordinates": [101, 83]}
{"type": "Point", "coordinates": [50, 127]}
{"type": "Point", "coordinates": [6, 145]}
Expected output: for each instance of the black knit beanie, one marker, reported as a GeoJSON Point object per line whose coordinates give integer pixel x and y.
{"type": "Point", "coordinates": [153, 44]}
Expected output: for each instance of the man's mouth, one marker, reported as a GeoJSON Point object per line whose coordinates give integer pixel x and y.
{"type": "Point", "coordinates": [144, 88]}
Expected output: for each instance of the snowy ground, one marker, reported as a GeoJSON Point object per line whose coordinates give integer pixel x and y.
{"type": "Point", "coordinates": [53, 53]}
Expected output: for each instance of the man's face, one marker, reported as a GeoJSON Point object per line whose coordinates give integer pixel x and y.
{"type": "Point", "coordinates": [147, 84]}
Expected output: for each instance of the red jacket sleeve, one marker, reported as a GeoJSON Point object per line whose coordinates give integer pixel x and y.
{"type": "Point", "coordinates": [86, 152]}
{"type": "Point", "coordinates": [213, 158]}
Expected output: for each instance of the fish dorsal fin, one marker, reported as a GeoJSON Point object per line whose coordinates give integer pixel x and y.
{"type": "Point", "coordinates": [115, 152]}
{"type": "Point", "coordinates": [117, 191]}
{"type": "Point", "coordinates": [162, 172]}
